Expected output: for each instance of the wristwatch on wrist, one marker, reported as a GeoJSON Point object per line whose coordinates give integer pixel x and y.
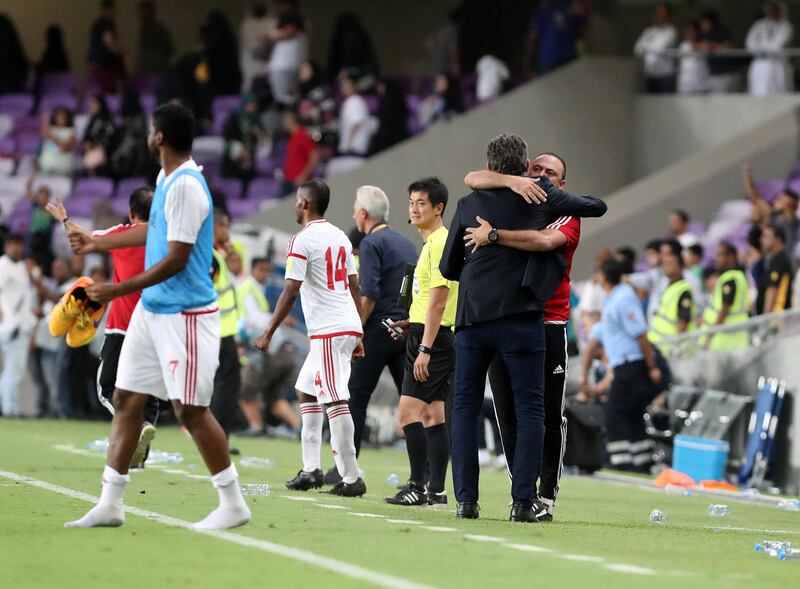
{"type": "Point", "coordinates": [493, 237]}
{"type": "Point", "coordinates": [423, 349]}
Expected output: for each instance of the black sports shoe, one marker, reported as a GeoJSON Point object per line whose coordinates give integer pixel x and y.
{"type": "Point", "coordinates": [343, 489]}
{"type": "Point", "coordinates": [522, 512]}
{"type": "Point", "coordinates": [411, 494]}
{"type": "Point", "coordinates": [332, 476]}
{"type": "Point", "coordinates": [437, 499]}
{"type": "Point", "coordinates": [543, 509]}
{"type": "Point", "coordinates": [305, 481]}
{"type": "Point", "coordinates": [468, 510]}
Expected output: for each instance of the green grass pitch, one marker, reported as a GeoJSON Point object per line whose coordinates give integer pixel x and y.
{"type": "Point", "coordinates": [601, 538]}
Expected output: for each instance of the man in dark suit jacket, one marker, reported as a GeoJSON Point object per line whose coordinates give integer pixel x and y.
{"type": "Point", "coordinates": [501, 296]}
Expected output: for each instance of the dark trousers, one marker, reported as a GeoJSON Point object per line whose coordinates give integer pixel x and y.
{"type": "Point", "coordinates": [227, 386]}
{"type": "Point", "coordinates": [381, 350]}
{"type": "Point", "coordinates": [107, 376]}
{"type": "Point", "coordinates": [519, 341]}
{"type": "Point", "coordinates": [555, 423]}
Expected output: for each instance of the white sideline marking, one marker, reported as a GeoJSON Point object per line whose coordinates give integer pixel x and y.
{"type": "Point", "coordinates": [79, 451]}
{"type": "Point", "coordinates": [580, 557]}
{"type": "Point", "coordinates": [439, 529]}
{"type": "Point", "coordinates": [291, 498]}
{"type": "Point", "coordinates": [304, 556]}
{"type": "Point", "coordinates": [402, 521]}
{"type": "Point", "coordinates": [755, 530]}
{"type": "Point", "coordinates": [359, 514]}
{"type": "Point", "coordinates": [528, 548]}
{"type": "Point", "coordinates": [479, 538]}
{"type": "Point", "coordinates": [327, 506]}
{"type": "Point", "coordinates": [629, 568]}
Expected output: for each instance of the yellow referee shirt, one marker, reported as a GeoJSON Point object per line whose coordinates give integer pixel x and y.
{"type": "Point", "coordinates": [427, 276]}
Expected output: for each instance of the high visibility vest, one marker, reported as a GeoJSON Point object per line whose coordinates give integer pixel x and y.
{"type": "Point", "coordinates": [226, 299]}
{"type": "Point", "coordinates": [249, 288]}
{"type": "Point", "coordinates": [732, 340]}
{"type": "Point", "coordinates": [665, 322]}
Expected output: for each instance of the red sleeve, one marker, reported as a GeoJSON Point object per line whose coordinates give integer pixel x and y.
{"type": "Point", "coordinates": [112, 230]}
{"type": "Point", "coordinates": [570, 227]}
{"type": "Point", "coordinates": [308, 144]}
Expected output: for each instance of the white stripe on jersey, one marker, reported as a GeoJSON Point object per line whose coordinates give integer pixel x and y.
{"type": "Point", "coordinates": [559, 223]}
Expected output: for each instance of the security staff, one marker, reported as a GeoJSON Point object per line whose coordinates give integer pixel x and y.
{"type": "Point", "coordinates": [729, 303]}
{"type": "Point", "coordinates": [228, 380]}
{"type": "Point", "coordinates": [675, 311]}
{"type": "Point", "coordinates": [636, 373]}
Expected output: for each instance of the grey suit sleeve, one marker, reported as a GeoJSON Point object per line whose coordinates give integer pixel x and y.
{"type": "Point", "coordinates": [565, 203]}
{"type": "Point", "coordinates": [452, 261]}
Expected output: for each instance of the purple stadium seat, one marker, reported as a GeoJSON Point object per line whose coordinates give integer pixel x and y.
{"type": "Point", "coordinates": [373, 103]}
{"type": "Point", "coordinates": [262, 189]}
{"type": "Point", "coordinates": [145, 82]}
{"type": "Point", "coordinates": [697, 228]}
{"type": "Point", "coordinates": [239, 209]}
{"type": "Point", "coordinates": [120, 206]}
{"type": "Point", "coordinates": [468, 91]}
{"type": "Point", "coordinates": [207, 148]}
{"type": "Point", "coordinates": [769, 189]}
{"type": "Point", "coordinates": [28, 124]}
{"type": "Point", "coordinates": [94, 187]}
{"type": "Point", "coordinates": [128, 185]}
{"type": "Point", "coordinates": [16, 105]}
{"type": "Point", "coordinates": [425, 85]}
{"type": "Point", "coordinates": [266, 166]}
{"type": "Point", "coordinates": [59, 83]}
{"type": "Point", "coordinates": [28, 143]}
{"type": "Point", "coordinates": [221, 107]}
{"type": "Point", "coordinates": [794, 184]}
{"type": "Point", "coordinates": [8, 146]}
{"type": "Point", "coordinates": [148, 102]}
{"type": "Point", "coordinates": [50, 102]}
{"type": "Point", "coordinates": [81, 205]}
{"type": "Point", "coordinates": [230, 187]}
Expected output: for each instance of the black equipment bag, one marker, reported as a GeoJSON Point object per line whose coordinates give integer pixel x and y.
{"type": "Point", "coordinates": [585, 436]}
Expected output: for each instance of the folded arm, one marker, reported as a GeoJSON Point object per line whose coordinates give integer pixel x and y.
{"type": "Point", "coordinates": [529, 240]}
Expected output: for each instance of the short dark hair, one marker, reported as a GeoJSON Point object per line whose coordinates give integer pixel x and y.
{"type": "Point", "coordinates": [67, 112]}
{"type": "Point", "coordinates": [709, 271]}
{"type": "Point", "coordinates": [219, 214]}
{"type": "Point", "coordinates": [507, 154]}
{"type": "Point", "coordinates": [258, 260]}
{"type": "Point", "coordinates": [754, 238]}
{"type": "Point", "coordinates": [176, 123]}
{"type": "Point", "coordinates": [696, 249]}
{"type": "Point", "coordinates": [666, 5]}
{"type": "Point", "coordinates": [729, 248]}
{"type": "Point", "coordinates": [15, 238]}
{"type": "Point", "coordinates": [355, 236]}
{"type": "Point", "coordinates": [682, 214]}
{"type": "Point", "coordinates": [675, 248]}
{"type": "Point", "coordinates": [317, 194]}
{"type": "Point", "coordinates": [612, 271]}
{"type": "Point", "coordinates": [433, 187]}
{"type": "Point", "coordinates": [777, 231]}
{"type": "Point", "coordinates": [558, 157]}
{"type": "Point", "coordinates": [628, 255]}
{"type": "Point", "coordinates": [140, 201]}
{"type": "Point", "coordinates": [653, 244]}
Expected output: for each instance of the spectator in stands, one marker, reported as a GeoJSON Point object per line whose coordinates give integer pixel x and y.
{"type": "Point", "coordinates": [445, 102]}
{"type": "Point", "coordinates": [13, 63]}
{"type": "Point", "coordinates": [724, 72]}
{"type": "Point", "coordinates": [627, 255]}
{"type": "Point", "coordinates": [678, 226]}
{"type": "Point", "coordinates": [302, 156]}
{"type": "Point", "coordinates": [56, 158]}
{"type": "Point", "coordinates": [17, 320]}
{"type": "Point", "coordinates": [350, 47]}
{"type": "Point", "coordinates": [676, 308]}
{"type": "Point", "coordinates": [355, 123]}
{"type": "Point", "coordinates": [729, 303]}
{"type": "Point", "coordinates": [154, 46]}
{"type": "Point", "coordinates": [593, 294]}
{"type": "Point", "coordinates": [659, 70]}
{"type": "Point", "coordinates": [754, 263]}
{"type": "Point", "coordinates": [775, 292]}
{"type": "Point", "coordinates": [710, 277]}
{"type": "Point", "coordinates": [770, 74]}
{"type": "Point", "coordinates": [782, 212]}
{"type": "Point", "coordinates": [693, 73]}
{"type": "Point", "coordinates": [288, 52]}
{"type": "Point", "coordinates": [40, 226]}
{"type": "Point", "coordinates": [242, 132]}
{"type": "Point", "coordinates": [106, 63]}
{"type": "Point", "coordinates": [221, 51]}
{"type": "Point", "coordinates": [443, 45]}
{"type": "Point", "coordinates": [316, 105]}
{"type": "Point", "coordinates": [99, 139]}
{"type": "Point", "coordinates": [553, 32]}
{"type": "Point", "coordinates": [693, 259]}
{"type": "Point", "coordinates": [492, 73]}
{"type": "Point", "coordinates": [254, 33]}
{"type": "Point", "coordinates": [54, 57]}
{"type": "Point", "coordinates": [131, 157]}
{"type": "Point", "coordinates": [392, 116]}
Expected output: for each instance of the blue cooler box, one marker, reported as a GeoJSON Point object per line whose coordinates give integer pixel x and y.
{"type": "Point", "coordinates": [700, 458]}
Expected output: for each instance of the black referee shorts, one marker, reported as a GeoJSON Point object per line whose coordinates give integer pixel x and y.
{"type": "Point", "coordinates": [440, 368]}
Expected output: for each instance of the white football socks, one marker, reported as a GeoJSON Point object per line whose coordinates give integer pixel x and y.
{"type": "Point", "coordinates": [109, 511]}
{"type": "Point", "coordinates": [232, 510]}
{"type": "Point", "coordinates": [342, 434]}
{"type": "Point", "coordinates": [311, 435]}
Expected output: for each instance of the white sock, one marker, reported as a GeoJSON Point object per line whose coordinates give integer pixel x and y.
{"type": "Point", "coordinates": [109, 511]}
{"type": "Point", "coordinates": [232, 510]}
{"type": "Point", "coordinates": [311, 435]}
{"type": "Point", "coordinates": [342, 432]}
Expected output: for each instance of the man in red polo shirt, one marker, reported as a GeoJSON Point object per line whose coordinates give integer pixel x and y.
{"type": "Point", "coordinates": [301, 154]}
{"type": "Point", "coordinates": [128, 262]}
{"type": "Point", "coordinates": [563, 235]}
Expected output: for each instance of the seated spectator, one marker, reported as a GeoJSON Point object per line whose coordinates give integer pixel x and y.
{"type": "Point", "coordinates": [256, 28]}
{"type": "Point", "coordinates": [242, 132]}
{"type": "Point", "coordinates": [131, 157]}
{"type": "Point", "coordinates": [13, 63]}
{"type": "Point", "coordinates": [659, 70]}
{"type": "Point", "coordinates": [106, 54]}
{"type": "Point", "coordinates": [302, 156]}
{"type": "Point", "coordinates": [445, 102]}
{"type": "Point", "coordinates": [40, 226]}
{"type": "Point", "coordinates": [99, 139]}
{"type": "Point", "coordinates": [492, 73]}
{"type": "Point", "coordinates": [782, 212]}
{"type": "Point", "coordinates": [693, 73]}
{"type": "Point", "coordinates": [678, 226]}
{"type": "Point", "coordinates": [693, 259]}
{"type": "Point", "coordinates": [775, 293]}
{"type": "Point", "coordinates": [768, 74]}
{"type": "Point", "coordinates": [553, 31]}
{"type": "Point", "coordinates": [350, 47]}
{"type": "Point", "coordinates": [154, 45]}
{"type": "Point", "coordinates": [58, 134]}
{"type": "Point", "coordinates": [285, 59]}
{"type": "Point", "coordinates": [355, 123]}
{"type": "Point", "coordinates": [392, 116]}
{"type": "Point", "coordinates": [724, 72]}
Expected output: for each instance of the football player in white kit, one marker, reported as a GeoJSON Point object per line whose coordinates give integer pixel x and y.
{"type": "Point", "coordinates": [321, 268]}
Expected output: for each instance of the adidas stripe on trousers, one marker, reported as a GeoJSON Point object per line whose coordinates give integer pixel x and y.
{"type": "Point", "coordinates": [555, 423]}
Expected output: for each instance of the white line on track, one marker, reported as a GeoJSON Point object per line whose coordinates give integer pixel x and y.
{"type": "Point", "coordinates": [480, 538]}
{"type": "Point", "coordinates": [439, 529]}
{"type": "Point", "coordinates": [291, 498]}
{"type": "Point", "coordinates": [528, 548]}
{"type": "Point", "coordinates": [755, 530]}
{"type": "Point", "coordinates": [409, 522]}
{"type": "Point", "coordinates": [329, 506]}
{"type": "Point", "coordinates": [629, 568]}
{"type": "Point", "coordinates": [580, 557]}
{"type": "Point", "coordinates": [359, 514]}
{"type": "Point", "coordinates": [304, 556]}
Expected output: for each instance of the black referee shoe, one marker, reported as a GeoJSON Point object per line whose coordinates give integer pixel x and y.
{"type": "Point", "coordinates": [468, 510]}
{"type": "Point", "coordinates": [411, 494]}
{"type": "Point", "coordinates": [305, 481]}
{"type": "Point", "coordinates": [522, 512]}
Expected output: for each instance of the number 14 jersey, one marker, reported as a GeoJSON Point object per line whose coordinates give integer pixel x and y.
{"type": "Point", "coordinates": [321, 257]}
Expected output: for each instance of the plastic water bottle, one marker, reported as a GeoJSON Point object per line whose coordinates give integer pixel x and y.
{"type": "Point", "coordinates": [161, 457]}
{"type": "Point", "coordinates": [718, 510]}
{"type": "Point", "coordinates": [98, 446]}
{"type": "Point", "coordinates": [771, 547]}
{"type": "Point", "coordinates": [677, 490]}
{"type": "Point", "coordinates": [255, 489]}
{"type": "Point", "coordinates": [788, 554]}
{"type": "Point", "coordinates": [256, 462]}
{"type": "Point", "coordinates": [789, 504]}
{"type": "Point", "coordinates": [750, 494]}
{"type": "Point", "coordinates": [657, 517]}
{"type": "Point", "coordinates": [393, 479]}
